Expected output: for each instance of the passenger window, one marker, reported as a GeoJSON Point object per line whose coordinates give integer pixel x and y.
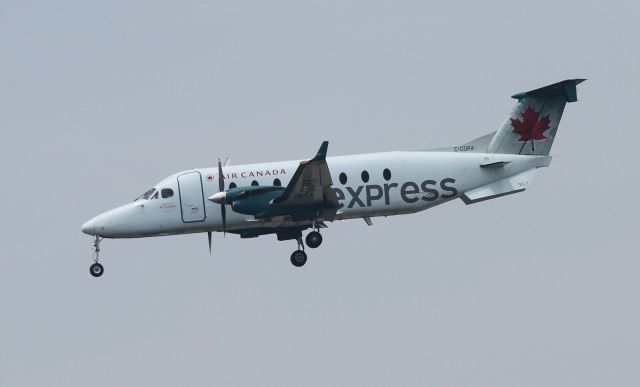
{"type": "Point", "coordinates": [254, 183]}
{"type": "Point", "coordinates": [166, 193]}
{"type": "Point", "coordinates": [232, 185]}
{"type": "Point", "coordinates": [277, 182]}
{"type": "Point", "coordinates": [343, 178]}
{"type": "Point", "coordinates": [386, 174]}
{"type": "Point", "coordinates": [365, 176]}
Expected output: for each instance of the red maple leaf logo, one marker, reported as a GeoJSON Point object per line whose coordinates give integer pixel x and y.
{"type": "Point", "coordinates": [209, 177]}
{"type": "Point", "coordinates": [532, 126]}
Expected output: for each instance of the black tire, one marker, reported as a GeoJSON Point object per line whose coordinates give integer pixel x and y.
{"type": "Point", "coordinates": [96, 269]}
{"type": "Point", "coordinates": [313, 239]}
{"type": "Point", "coordinates": [298, 258]}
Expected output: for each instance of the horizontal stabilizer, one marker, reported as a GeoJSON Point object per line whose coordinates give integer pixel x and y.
{"type": "Point", "coordinates": [566, 89]}
{"type": "Point", "coordinates": [495, 164]}
{"type": "Point", "coordinates": [510, 185]}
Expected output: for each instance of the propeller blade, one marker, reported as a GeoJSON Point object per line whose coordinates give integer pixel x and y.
{"type": "Point", "coordinates": [223, 209]}
{"type": "Point", "coordinates": [220, 177]}
{"type": "Point", "coordinates": [209, 236]}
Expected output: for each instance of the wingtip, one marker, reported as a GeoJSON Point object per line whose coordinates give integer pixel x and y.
{"type": "Point", "coordinates": [324, 147]}
{"type": "Point", "coordinates": [575, 81]}
{"type": "Point", "coordinates": [322, 152]}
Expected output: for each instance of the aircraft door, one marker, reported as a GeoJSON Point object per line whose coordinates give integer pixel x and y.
{"type": "Point", "coordinates": [191, 197]}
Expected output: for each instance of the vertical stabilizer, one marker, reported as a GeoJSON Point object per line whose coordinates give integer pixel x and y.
{"type": "Point", "coordinates": [532, 125]}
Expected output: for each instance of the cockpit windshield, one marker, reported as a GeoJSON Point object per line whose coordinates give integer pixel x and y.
{"type": "Point", "coordinates": [146, 195]}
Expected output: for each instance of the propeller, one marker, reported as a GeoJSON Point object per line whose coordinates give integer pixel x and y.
{"type": "Point", "coordinates": [219, 198]}
{"type": "Point", "coordinates": [223, 208]}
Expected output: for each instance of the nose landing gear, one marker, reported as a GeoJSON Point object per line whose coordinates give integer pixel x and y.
{"type": "Point", "coordinates": [96, 268]}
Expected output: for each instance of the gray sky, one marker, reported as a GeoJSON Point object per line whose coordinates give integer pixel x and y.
{"type": "Point", "coordinates": [99, 101]}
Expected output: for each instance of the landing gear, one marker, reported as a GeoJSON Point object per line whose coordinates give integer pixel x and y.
{"type": "Point", "coordinates": [96, 269]}
{"type": "Point", "coordinates": [299, 257]}
{"type": "Point", "coordinates": [314, 239]}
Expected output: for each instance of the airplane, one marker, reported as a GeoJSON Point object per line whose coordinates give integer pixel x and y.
{"type": "Point", "coordinates": [289, 197]}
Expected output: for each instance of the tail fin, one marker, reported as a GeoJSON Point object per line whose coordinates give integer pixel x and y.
{"type": "Point", "coordinates": [533, 123]}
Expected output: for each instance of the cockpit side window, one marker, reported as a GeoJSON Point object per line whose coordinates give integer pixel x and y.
{"type": "Point", "coordinates": [146, 195]}
{"type": "Point", "coordinates": [149, 193]}
{"type": "Point", "coordinates": [166, 193]}
{"type": "Point", "coordinates": [155, 196]}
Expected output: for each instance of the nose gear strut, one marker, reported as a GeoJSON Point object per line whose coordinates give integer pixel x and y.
{"type": "Point", "coordinates": [96, 269]}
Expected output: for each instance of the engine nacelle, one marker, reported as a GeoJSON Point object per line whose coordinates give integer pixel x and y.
{"type": "Point", "coordinates": [252, 200]}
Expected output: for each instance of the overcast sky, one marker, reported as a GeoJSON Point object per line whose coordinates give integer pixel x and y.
{"type": "Point", "coordinates": [101, 100]}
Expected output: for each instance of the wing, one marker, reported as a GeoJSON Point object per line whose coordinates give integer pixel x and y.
{"type": "Point", "coordinates": [310, 188]}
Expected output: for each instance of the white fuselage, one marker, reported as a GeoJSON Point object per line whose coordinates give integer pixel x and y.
{"type": "Point", "coordinates": [397, 183]}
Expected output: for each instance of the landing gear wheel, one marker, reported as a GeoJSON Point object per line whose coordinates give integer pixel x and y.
{"type": "Point", "coordinates": [298, 258]}
{"type": "Point", "coordinates": [96, 269]}
{"type": "Point", "coordinates": [314, 239]}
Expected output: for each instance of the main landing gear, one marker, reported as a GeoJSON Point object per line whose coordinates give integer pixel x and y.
{"type": "Point", "coordinates": [299, 257]}
{"type": "Point", "coordinates": [96, 269]}
{"type": "Point", "coordinates": [313, 239]}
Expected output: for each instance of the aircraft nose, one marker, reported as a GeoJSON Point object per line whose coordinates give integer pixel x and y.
{"type": "Point", "coordinates": [89, 227]}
